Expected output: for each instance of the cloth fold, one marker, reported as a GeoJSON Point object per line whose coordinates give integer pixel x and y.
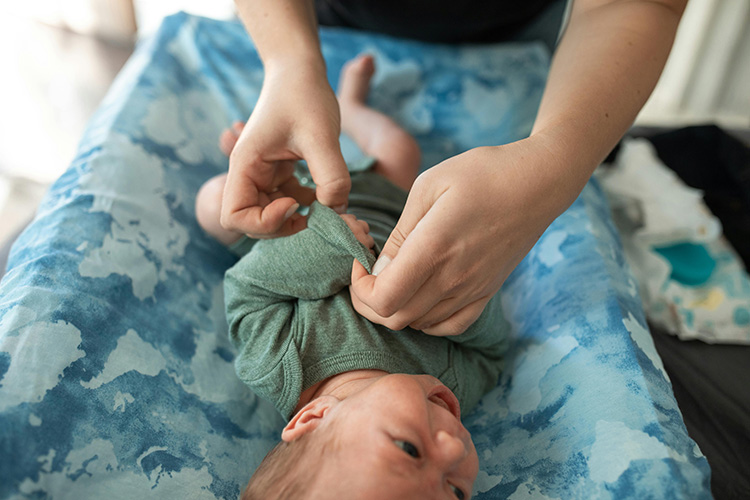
{"type": "Point", "coordinates": [691, 281]}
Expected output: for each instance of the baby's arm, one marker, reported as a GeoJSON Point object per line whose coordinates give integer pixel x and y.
{"type": "Point", "coordinates": [262, 288]}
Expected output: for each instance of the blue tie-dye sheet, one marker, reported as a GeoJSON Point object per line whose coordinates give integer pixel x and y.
{"type": "Point", "coordinates": [116, 374]}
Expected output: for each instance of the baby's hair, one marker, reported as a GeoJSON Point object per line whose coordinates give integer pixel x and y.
{"type": "Point", "coordinates": [289, 470]}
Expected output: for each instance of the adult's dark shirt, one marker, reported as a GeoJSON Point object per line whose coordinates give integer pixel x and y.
{"type": "Point", "coordinates": [467, 21]}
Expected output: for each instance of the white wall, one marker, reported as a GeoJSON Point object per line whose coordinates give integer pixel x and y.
{"type": "Point", "coordinates": [149, 13]}
{"type": "Point", "coordinates": [707, 76]}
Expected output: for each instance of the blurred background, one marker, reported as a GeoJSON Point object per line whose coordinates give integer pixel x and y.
{"type": "Point", "coordinates": [60, 57]}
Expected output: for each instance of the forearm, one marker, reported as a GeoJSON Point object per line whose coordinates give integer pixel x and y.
{"type": "Point", "coordinates": [603, 71]}
{"type": "Point", "coordinates": [284, 32]}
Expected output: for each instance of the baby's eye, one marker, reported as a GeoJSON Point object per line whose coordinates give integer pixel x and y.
{"type": "Point", "coordinates": [458, 492]}
{"type": "Point", "coordinates": [408, 448]}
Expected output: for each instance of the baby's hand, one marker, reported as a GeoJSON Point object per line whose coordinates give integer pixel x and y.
{"type": "Point", "coordinates": [360, 229]}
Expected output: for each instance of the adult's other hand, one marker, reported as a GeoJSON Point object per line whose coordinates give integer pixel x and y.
{"type": "Point", "coordinates": [468, 222]}
{"type": "Point", "coordinates": [296, 117]}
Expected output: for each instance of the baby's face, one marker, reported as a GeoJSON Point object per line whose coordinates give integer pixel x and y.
{"type": "Point", "coordinates": [402, 437]}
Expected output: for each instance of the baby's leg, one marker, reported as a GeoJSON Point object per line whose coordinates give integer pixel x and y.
{"type": "Point", "coordinates": [208, 210]}
{"type": "Point", "coordinates": [396, 152]}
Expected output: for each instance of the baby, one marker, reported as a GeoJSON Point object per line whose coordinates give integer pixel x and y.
{"type": "Point", "coordinates": [372, 413]}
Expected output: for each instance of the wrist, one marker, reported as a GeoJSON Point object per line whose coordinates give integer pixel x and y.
{"type": "Point", "coordinates": [302, 62]}
{"type": "Point", "coordinates": [284, 32]}
{"type": "Point", "coordinates": [567, 162]}
{"type": "Point", "coordinates": [554, 176]}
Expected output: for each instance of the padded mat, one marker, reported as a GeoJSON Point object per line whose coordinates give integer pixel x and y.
{"type": "Point", "coordinates": [116, 374]}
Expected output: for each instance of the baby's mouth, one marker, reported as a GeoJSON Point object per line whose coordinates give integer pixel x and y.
{"type": "Point", "coordinates": [443, 397]}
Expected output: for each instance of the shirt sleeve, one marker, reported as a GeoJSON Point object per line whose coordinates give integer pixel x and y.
{"type": "Point", "coordinates": [479, 353]}
{"type": "Point", "coordinates": [263, 289]}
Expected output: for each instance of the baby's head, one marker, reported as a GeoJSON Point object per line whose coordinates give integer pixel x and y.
{"type": "Point", "coordinates": [399, 437]}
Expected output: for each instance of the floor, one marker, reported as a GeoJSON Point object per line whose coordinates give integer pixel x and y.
{"type": "Point", "coordinates": [53, 80]}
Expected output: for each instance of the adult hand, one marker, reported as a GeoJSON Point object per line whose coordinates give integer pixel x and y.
{"type": "Point", "coordinates": [296, 117]}
{"type": "Point", "coordinates": [468, 222]}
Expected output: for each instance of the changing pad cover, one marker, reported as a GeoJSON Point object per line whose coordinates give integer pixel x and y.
{"type": "Point", "coordinates": [116, 373]}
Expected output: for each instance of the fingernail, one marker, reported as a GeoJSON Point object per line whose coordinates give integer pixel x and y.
{"type": "Point", "coordinates": [340, 209]}
{"type": "Point", "coordinates": [291, 211]}
{"type": "Point", "coordinates": [380, 264]}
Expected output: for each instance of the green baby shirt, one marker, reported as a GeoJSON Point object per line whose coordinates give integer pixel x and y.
{"type": "Point", "coordinates": [291, 317]}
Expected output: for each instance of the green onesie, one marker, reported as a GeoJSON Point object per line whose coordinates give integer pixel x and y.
{"type": "Point", "coordinates": [291, 317]}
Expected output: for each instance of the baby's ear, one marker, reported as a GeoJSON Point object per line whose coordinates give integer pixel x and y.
{"type": "Point", "coordinates": [308, 418]}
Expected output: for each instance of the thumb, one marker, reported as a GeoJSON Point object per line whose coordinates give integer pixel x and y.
{"type": "Point", "coordinates": [331, 177]}
{"type": "Point", "coordinates": [393, 281]}
{"type": "Point", "coordinates": [413, 213]}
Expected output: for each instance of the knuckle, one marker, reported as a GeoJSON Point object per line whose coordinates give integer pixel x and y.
{"type": "Point", "coordinates": [244, 154]}
{"type": "Point", "coordinates": [396, 323]}
{"type": "Point", "coordinates": [417, 325]}
{"type": "Point", "coordinates": [447, 328]}
{"type": "Point", "coordinates": [459, 324]}
{"type": "Point", "coordinates": [454, 284]}
{"type": "Point", "coordinates": [227, 222]}
{"type": "Point", "coordinates": [382, 307]}
{"type": "Point", "coordinates": [398, 234]}
{"type": "Point", "coordinates": [341, 184]}
{"type": "Point", "coordinates": [269, 227]}
{"type": "Point", "coordinates": [457, 327]}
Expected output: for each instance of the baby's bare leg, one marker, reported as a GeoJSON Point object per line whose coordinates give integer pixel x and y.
{"type": "Point", "coordinates": [396, 152]}
{"type": "Point", "coordinates": [208, 210]}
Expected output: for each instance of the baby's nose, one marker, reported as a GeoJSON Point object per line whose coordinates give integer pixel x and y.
{"type": "Point", "coordinates": [451, 449]}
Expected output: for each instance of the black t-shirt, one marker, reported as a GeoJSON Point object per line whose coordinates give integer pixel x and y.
{"type": "Point", "coordinates": [468, 21]}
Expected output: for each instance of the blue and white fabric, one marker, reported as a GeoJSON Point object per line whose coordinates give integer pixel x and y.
{"type": "Point", "coordinates": [116, 374]}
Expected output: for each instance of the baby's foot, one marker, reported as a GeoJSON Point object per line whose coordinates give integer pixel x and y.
{"type": "Point", "coordinates": [228, 138]}
{"type": "Point", "coordinates": [354, 83]}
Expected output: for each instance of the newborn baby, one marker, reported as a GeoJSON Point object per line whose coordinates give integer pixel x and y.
{"type": "Point", "coordinates": [372, 412]}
